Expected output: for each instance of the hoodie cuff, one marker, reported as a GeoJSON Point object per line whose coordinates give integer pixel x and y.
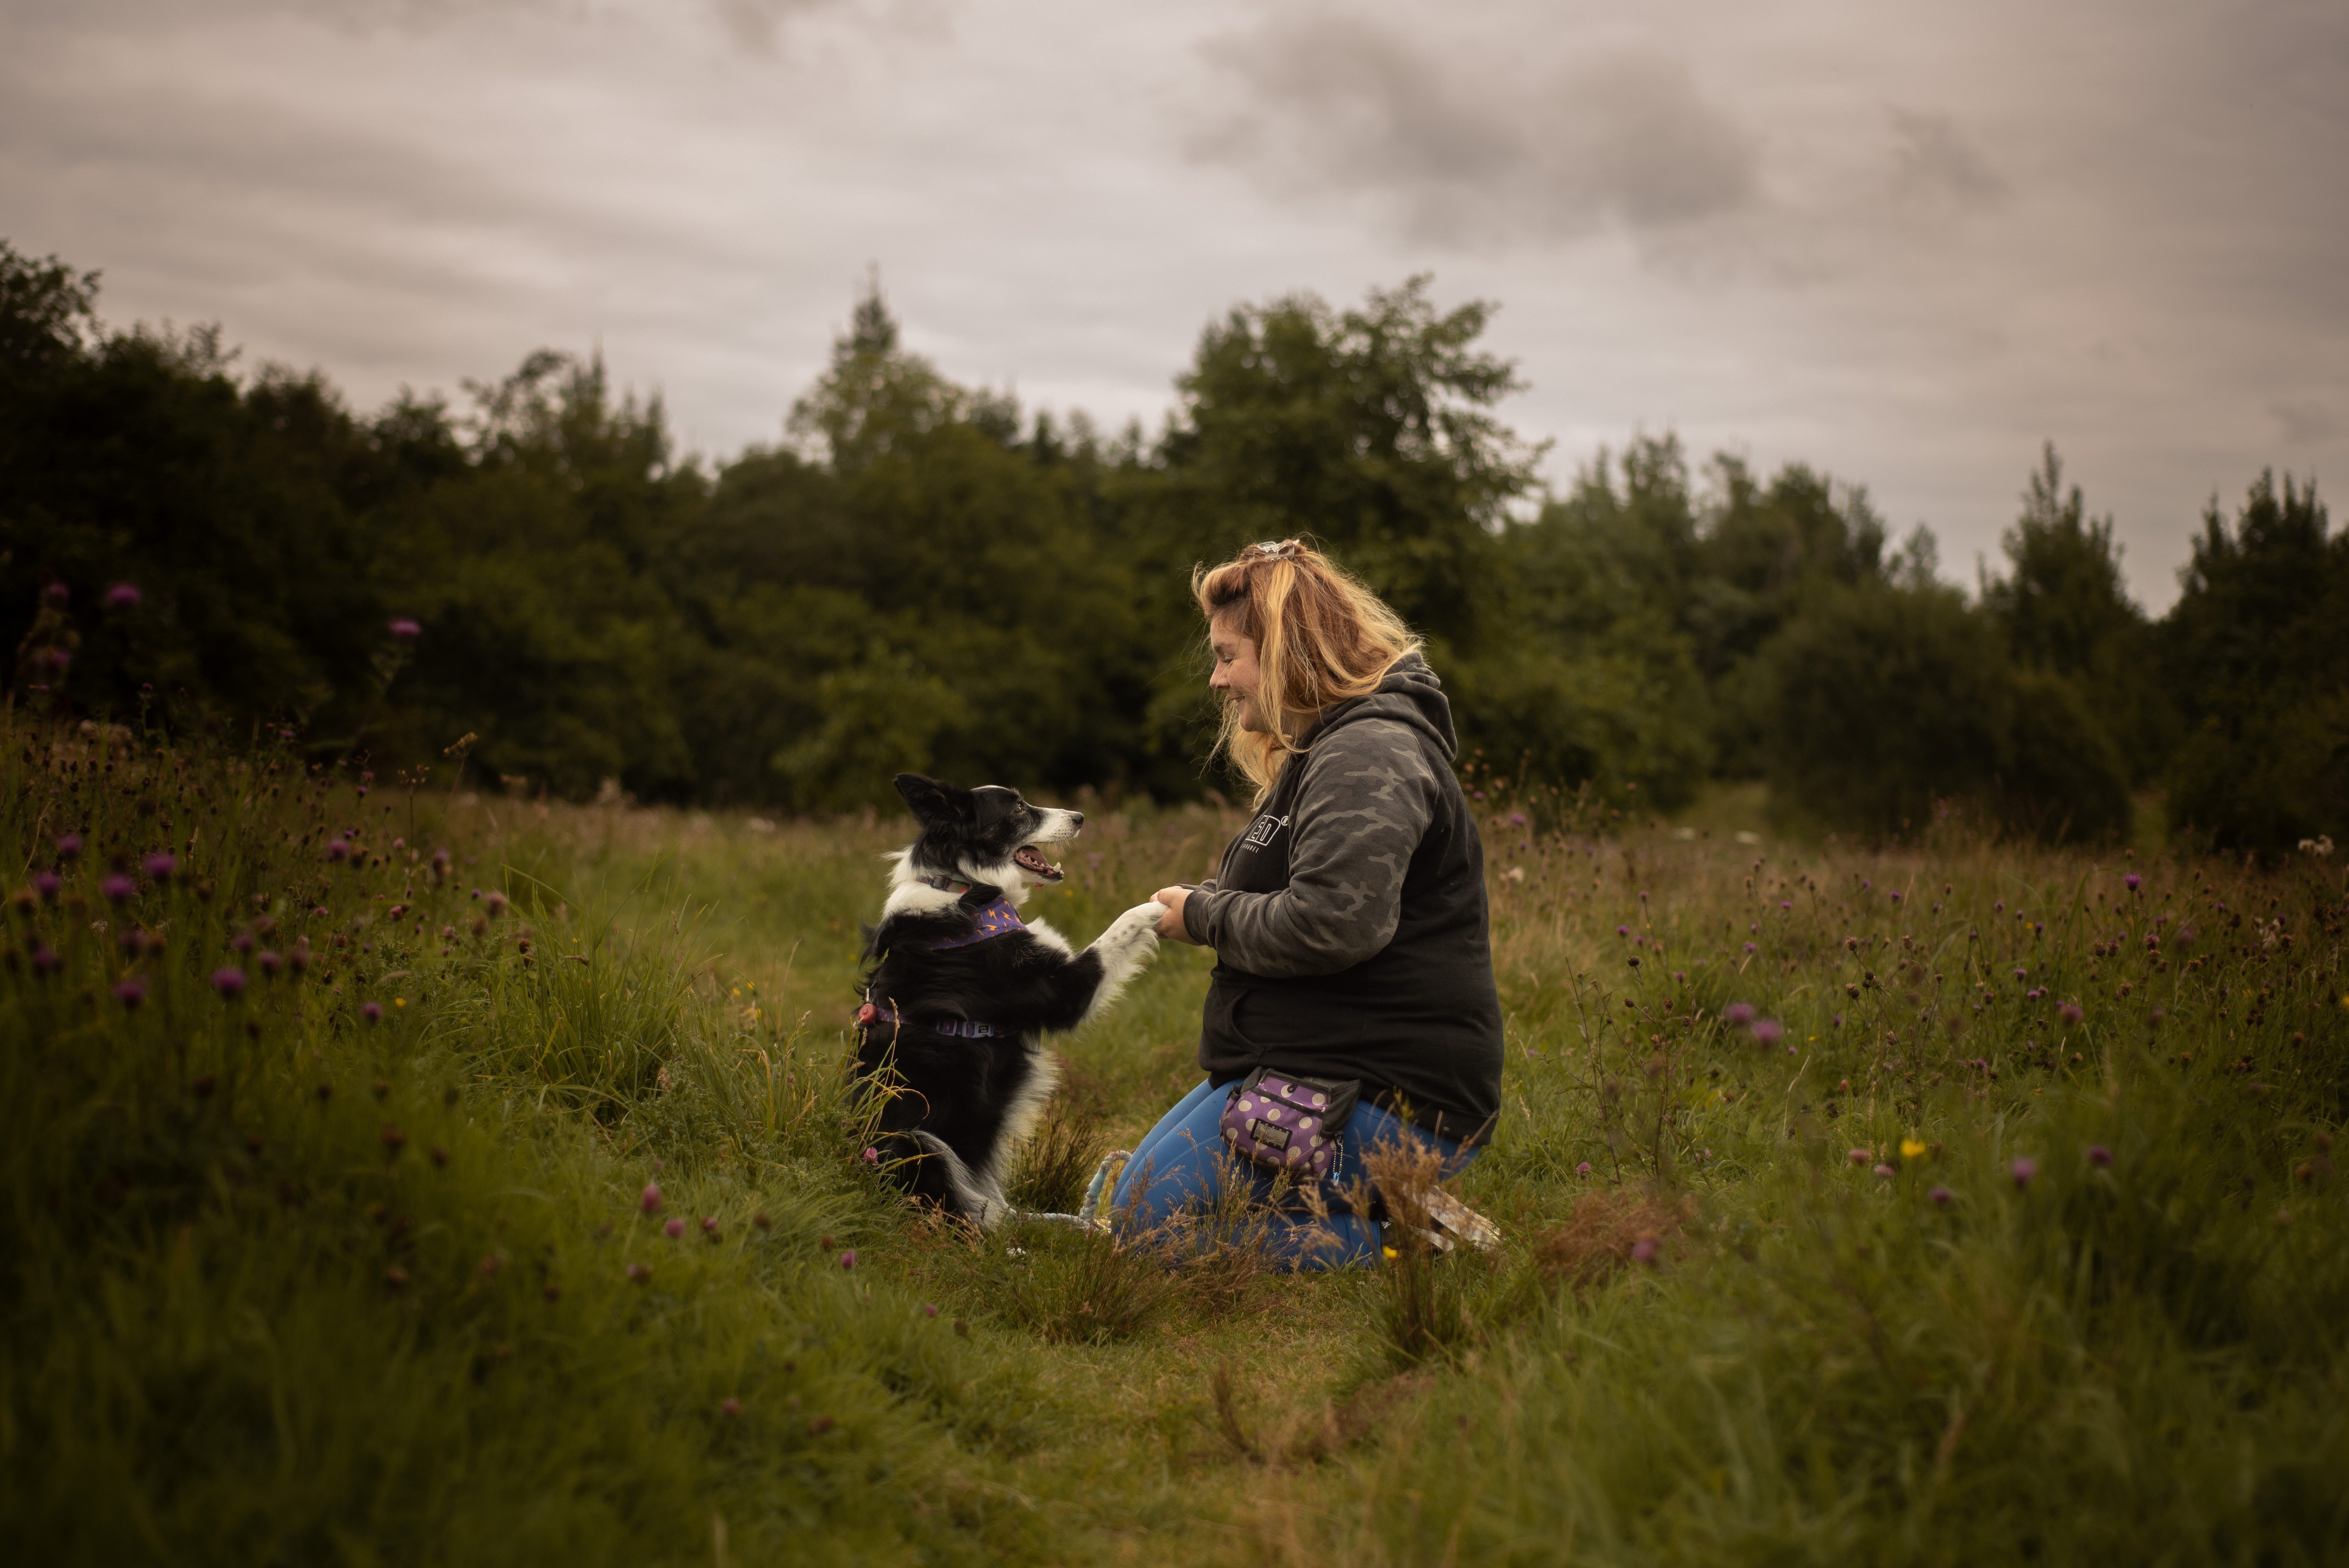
{"type": "Point", "coordinates": [1199, 916]}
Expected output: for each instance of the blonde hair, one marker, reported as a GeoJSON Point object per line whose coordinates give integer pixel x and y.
{"type": "Point", "coordinates": [1321, 638]}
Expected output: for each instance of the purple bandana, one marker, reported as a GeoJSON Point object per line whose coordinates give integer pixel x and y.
{"type": "Point", "coordinates": [997, 919]}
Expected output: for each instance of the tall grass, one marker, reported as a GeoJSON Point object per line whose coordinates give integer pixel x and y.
{"type": "Point", "coordinates": [1963, 1224]}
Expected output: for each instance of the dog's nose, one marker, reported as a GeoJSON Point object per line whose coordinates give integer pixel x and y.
{"type": "Point", "coordinates": [1080, 816]}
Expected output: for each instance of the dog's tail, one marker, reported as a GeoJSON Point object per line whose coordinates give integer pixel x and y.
{"type": "Point", "coordinates": [931, 1169]}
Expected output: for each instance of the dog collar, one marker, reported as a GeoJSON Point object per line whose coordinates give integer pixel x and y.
{"type": "Point", "coordinates": [944, 885]}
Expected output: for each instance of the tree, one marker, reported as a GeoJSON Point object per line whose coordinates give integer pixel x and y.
{"type": "Point", "coordinates": [2065, 610]}
{"type": "Point", "coordinates": [1368, 428]}
{"type": "Point", "coordinates": [1885, 702]}
{"type": "Point", "coordinates": [2255, 651]}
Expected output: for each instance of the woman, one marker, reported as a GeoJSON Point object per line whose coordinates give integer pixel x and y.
{"type": "Point", "coordinates": [1351, 937]}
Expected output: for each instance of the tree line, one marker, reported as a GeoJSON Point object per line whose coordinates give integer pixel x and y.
{"type": "Point", "coordinates": [921, 574]}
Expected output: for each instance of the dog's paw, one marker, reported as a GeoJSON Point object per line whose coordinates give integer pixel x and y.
{"type": "Point", "coordinates": [1138, 926]}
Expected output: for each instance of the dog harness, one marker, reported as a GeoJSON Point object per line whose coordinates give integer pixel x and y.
{"type": "Point", "coordinates": [873, 1013]}
{"type": "Point", "coordinates": [996, 919]}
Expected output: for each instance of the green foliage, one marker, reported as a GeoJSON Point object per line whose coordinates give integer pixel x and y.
{"type": "Point", "coordinates": [923, 577]}
{"type": "Point", "coordinates": [1369, 429]}
{"type": "Point", "coordinates": [2065, 610]}
{"type": "Point", "coordinates": [1888, 703]}
{"type": "Point", "coordinates": [324, 1267]}
{"type": "Point", "coordinates": [2255, 651]}
{"type": "Point", "coordinates": [1709, 1332]}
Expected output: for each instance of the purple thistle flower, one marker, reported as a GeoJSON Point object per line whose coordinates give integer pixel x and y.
{"type": "Point", "coordinates": [1623, 931]}
{"type": "Point", "coordinates": [1767, 1030]}
{"type": "Point", "coordinates": [1896, 898]}
{"type": "Point", "coordinates": [871, 1155]}
{"type": "Point", "coordinates": [640, 1274]}
{"type": "Point", "coordinates": [729, 1407]}
{"type": "Point", "coordinates": [650, 1202]}
{"type": "Point", "coordinates": [848, 1259]}
{"type": "Point", "coordinates": [123, 596]}
{"type": "Point", "coordinates": [242, 941]}
{"type": "Point", "coordinates": [710, 1228]}
{"type": "Point", "coordinates": [2021, 972]}
{"type": "Point", "coordinates": [2132, 881]}
{"type": "Point", "coordinates": [159, 866]}
{"type": "Point", "coordinates": [229, 983]}
{"type": "Point", "coordinates": [1836, 1020]}
{"type": "Point", "coordinates": [1940, 1197]}
{"type": "Point", "coordinates": [47, 884]}
{"type": "Point", "coordinates": [674, 1228]}
{"type": "Point", "coordinates": [1517, 819]}
{"type": "Point", "coordinates": [266, 962]}
{"type": "Point", "coordinates": [68, 845]}
{"type": "Point", "coordinates": [1738, 1013]}
{"type": "Point", "coordinates": [2099, 1156]}
{"type": "Point", "coordinates": [1886, 1171]}
{"type": "Point", "coordinates": [45, 960]}
{"type": "Point", "coordinates": [371, 1011]}
{"type": "Point", "coordinates": [1583, 1168]}
{"type": "Point", "coordinates": [929, 1309]}
{"type": "Point", "coordinates": [1860, 1157]}
{"type": "Point", "coordinates": [406, 630]}
{"type": "Point", "coordinates": [2070, 1013]}
{"type": "Point", "coordinates": [339, 849]}
{"type": "Point", "coordinates": [1748, 947]}
{"type": "Point", "coordinates": [118, 889]}
{"type": "Point", "coordinates": [1643, 1251]}
{"type": "Point", "coordinates": [130, 992]}
{"type": "Point", "coordinates": [2024, 1171]}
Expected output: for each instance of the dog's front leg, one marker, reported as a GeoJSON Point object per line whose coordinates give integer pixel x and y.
{"type": "Point", "coordinates": [1123, 950]}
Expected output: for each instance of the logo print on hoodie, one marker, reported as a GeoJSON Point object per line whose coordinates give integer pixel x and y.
{"type": "Point", "coordinates": [1261, 830]}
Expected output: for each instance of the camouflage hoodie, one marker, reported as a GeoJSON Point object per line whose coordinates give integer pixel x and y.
{"type": "Point", "coordinates": [1349, 919]}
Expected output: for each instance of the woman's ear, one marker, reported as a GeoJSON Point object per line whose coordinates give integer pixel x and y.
{"type": "Point", "coordinates": [934, 800]}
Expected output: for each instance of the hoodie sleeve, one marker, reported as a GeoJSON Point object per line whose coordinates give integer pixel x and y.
{"type": "Point", "coordinates": [1368, 796]}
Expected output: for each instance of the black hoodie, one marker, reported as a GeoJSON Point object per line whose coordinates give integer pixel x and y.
{"type": "Point", "coordinates": [1349, 919]}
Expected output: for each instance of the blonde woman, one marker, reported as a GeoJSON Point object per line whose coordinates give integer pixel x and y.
{"type": "Point", "coordinates": [1351, 937]}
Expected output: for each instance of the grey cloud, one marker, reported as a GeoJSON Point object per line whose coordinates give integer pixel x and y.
{"type": "Point", "coordinates": [2304, 422]}
{"type": "Point", "coordinates": [1934, 164]}
{"type": "Point", "coordinates": [1467, 148]}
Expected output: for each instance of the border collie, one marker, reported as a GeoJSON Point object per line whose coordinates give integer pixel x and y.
{"type": "Point", "coordinates": [958, 988]}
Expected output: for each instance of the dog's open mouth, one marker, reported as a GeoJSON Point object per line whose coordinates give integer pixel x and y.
{"type": "Point", "coordinates": [1035, 864]}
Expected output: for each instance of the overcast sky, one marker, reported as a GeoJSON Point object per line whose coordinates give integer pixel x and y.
{"type": "Point", "coordinates": [1906, 242]}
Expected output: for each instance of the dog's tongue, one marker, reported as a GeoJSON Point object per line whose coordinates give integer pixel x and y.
{"type": "Point", "coordinates": [1036, 862]}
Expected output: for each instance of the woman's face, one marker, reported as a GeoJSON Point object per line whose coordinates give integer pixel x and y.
{"type": "Point", "coordinates": [1235, 672]}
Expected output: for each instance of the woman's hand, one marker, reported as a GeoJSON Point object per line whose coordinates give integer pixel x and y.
{"type": "Point", "coordinates": [1170, 925]}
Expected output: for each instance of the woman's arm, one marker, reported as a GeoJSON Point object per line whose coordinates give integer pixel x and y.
{"type": "Point", "coordinates": [1368, 796]}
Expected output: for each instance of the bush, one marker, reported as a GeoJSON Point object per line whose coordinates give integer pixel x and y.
{"type": "Point", "coordinates": [1884, 702]}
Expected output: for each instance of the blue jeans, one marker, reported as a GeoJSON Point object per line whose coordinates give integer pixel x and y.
{"type": "Point", "coordinates": [1181, 1165]}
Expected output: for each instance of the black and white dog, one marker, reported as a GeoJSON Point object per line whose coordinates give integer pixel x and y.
{"type": "Point", "coordinates": [958, 990]}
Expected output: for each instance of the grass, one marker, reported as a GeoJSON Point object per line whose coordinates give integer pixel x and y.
{"type": "Point", "coordinates": [1990, 1231]}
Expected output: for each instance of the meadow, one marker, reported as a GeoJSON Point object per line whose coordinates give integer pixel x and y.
{"type": "Point", "coordinates": [400, 1173]}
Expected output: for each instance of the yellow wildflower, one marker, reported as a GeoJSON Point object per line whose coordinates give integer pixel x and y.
{"type": "Point", "coordinates": [1910, 1149]}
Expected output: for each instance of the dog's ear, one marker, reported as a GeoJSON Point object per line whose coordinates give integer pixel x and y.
{"type": "Point", "coordinates": [936, 802]}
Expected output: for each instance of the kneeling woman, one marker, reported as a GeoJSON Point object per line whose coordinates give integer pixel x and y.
{"type": "Point", "coordinates": [1352, 940]}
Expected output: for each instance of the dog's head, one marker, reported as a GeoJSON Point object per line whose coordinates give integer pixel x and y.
{"type": "Point", "coordinates": [987, 835]}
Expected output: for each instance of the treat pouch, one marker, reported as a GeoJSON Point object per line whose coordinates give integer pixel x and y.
{"type": "Point", "coordinates": [1285, 1122]}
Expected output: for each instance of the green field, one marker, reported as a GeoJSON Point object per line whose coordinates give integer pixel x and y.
{"type": "Point", "coordinates": [2008, 1228]}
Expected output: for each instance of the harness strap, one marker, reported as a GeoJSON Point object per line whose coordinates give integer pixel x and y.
{"type": "Point", "coordinates": [872, 1013]}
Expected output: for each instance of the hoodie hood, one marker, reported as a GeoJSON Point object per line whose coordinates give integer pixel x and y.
{"type": "Point", "coordinates": [1410, 694]}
